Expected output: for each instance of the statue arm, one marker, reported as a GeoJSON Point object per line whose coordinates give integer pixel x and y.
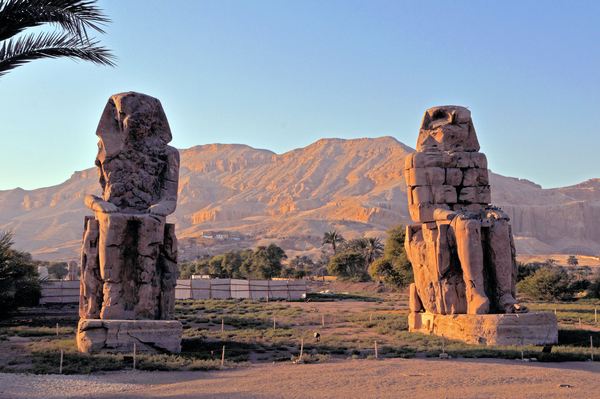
{"type": "Point", "coordinates": [168, 196]}
{"type": "Point", "coordinates": [97, 204]}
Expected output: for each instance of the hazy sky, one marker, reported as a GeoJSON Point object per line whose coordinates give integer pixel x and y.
{"type": "Point", "coordinates": [282, 74]}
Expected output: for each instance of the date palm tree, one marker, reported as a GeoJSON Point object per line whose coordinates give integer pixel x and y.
{"type": "Point", "coordinates": [72, 18]}
{"type": "Point", "coordinates": [333, 237]}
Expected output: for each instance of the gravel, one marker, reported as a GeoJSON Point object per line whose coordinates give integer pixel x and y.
{"type": "Point", "coordinates": [16, 386]}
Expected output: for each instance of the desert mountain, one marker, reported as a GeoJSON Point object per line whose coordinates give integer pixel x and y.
{"type": "Point", "coordinates": [238, 196]}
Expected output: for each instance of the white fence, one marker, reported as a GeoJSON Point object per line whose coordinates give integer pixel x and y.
{"type": "Point", "coordinates": [220, 288]}
{"type": "Point", "coordinates": [225, 288]}
{"type": "Point", "coordinates": [60, 291]}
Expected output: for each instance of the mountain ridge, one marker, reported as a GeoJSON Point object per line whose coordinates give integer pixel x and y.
{"type": "Point", "coordinates": [257, 196]}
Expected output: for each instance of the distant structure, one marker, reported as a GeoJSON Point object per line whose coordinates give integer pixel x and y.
{"type": "Point", "coordinates": [72, 271]}
{"type": "Point", "coordinates": [129, 253]}
{"type": "Point", "coordinates": [461, 247]}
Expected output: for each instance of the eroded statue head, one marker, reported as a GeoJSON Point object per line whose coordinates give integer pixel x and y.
{"type": "Point", "coordinates": [131, 119]}
{"type": "Point", "coordinates": [447, 128]}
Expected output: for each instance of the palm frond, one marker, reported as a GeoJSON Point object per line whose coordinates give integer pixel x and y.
{"type": "Point", "coordinates": [16, 52]}
{"type": "Point", "coordinates": [75, 16]}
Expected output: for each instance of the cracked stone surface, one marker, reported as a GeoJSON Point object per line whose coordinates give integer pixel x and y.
{"type": "Point", "coordinates": [129, 253]}
{"type": "Point", "coordinates": [152, 336]}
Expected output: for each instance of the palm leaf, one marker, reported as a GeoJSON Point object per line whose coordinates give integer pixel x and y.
{"type": "Point", "coordinates": [75, 16]}
{"type": "Point", "coordinates": [16, 52]}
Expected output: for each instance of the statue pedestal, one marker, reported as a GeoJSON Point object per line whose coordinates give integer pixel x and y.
{"type": "Point", "coordinates": [150, 336]}
{"type": "Point", "coordinates": [538, 328]}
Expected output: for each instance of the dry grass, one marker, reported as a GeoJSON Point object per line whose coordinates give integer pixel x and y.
{"type": "Point", "coordinates": [351, 327]}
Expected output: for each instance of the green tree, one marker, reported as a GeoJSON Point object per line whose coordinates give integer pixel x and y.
{"type": "Point", "coordinates": [19, 285]}
{"type": "Point", "coordinates": [73, 18]}
{"type": "Point", "coordinates": [348, 265]}
{"type": "Point", "coordinates": [299, 267]}
{"type": "Point", "coordinates": [572, 260]}
{"type": "Point", "coordinates": [394, 268]}
{"type": "Point", "coordinates": [264, 262]}
{"type": "Point", "coordinates": [334, 238]}
{"type": "Point", "coordinates": [58, 270]}
{"type": "Point", "coordinates": [548, 284]}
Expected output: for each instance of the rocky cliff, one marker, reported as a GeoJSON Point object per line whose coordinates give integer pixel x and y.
{"type": "Point", "coordinates": [248, 196]}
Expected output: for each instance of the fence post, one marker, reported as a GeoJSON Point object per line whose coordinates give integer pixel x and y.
{"type": "Point", "coordinates": [134, 355]}
{"type": "Point", "coordinates": [62, 353]}
{"type": "Point", "coordinates": [222, 325]}
{"type": "Point", "coordinates": [591, 348]}
{"type": "Point", "coordinates": [322, 320]}
{"type": "Point", "coordinates": [376, 351]}
{"type": "Point", "coordinates": [223, 356]}
{"type": "Point", "coordinates": [57, 329]}
{"type": "Point", "coordinates": [191, 289]}
{"type": "Point", "coordinates": [301, 349]}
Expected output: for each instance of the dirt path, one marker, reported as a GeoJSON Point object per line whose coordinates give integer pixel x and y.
{"type": "Point", "coordinates": [394, 378]}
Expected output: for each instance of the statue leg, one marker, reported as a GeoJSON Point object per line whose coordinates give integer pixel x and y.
{"type": "Point", "coordinates": [503, 264]}
{"type": "Point", "coordinates": [112, 233]}
{"type": "Point", "coordinates": [151, 235]}
{"type": "Point", "coordinates": [470, 254]}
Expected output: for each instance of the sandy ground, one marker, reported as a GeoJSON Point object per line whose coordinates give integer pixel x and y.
{"type": "Point", "coordinates": [392, 378]}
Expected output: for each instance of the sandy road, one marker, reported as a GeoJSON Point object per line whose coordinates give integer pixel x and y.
{"type": "Point", "coordinates": [393, 378]}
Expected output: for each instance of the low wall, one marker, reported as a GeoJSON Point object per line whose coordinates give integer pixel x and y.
{"type": "Point", "coordinates": [240, 289]}
{"type": "Point", "coordinates": [220, 288]}
{"type": "Point", "coordinates": [59, 291]}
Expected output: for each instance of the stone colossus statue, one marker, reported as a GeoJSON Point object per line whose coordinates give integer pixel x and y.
{"type": "Point", "coordinates": [129, 255]}
{"type": "Point", "coordinates": [461, 248]}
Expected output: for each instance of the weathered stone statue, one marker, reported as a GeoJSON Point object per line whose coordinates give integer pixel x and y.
{"type": "Point", "coordinates": [129, 253]}
{"type": "Point", "coordinates": [461, 248]}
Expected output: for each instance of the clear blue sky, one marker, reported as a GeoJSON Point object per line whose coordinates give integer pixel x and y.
{"type": "Point", "coordinates": [282, 74]}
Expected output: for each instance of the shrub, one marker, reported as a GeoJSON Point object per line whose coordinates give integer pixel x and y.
{"type": "Point", "coordinates": [349, 266]}
{"type": "Point", "coordinates": [548, 284]}
{"type": "Point", "coordinates": [19, 285]}
{"type": "Point", "coordinates": [394, 269]}
{"type": "Point", "coordinates": [593, 290]}
{"type": "Point", "coordinates": [527, 269]}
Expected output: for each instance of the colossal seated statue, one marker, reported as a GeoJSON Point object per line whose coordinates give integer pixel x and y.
{"type": "Point", "coordinates": [129, 253]}
{"type": "Point", "coordinates": [461, 248]}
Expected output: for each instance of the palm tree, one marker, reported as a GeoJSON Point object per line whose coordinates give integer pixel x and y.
{"type": "Point", "coordinates": [72, 17]}
{"type": "Point", "coordinates": [373, 250]}
{"type": "Point", "coordinates": [333, 237]}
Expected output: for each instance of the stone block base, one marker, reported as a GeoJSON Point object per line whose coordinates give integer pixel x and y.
{"type": "Point", "coordinates": [150, 336]}
{"type": "Point", "coordinates": [490, 329]}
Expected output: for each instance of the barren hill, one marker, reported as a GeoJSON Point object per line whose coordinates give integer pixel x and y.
{"type": "Point", "coordinates": [238, 196]}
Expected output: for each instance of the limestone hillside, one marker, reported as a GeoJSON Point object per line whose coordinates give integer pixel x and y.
{"type": "Point", "coordinates": [237, 196]}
